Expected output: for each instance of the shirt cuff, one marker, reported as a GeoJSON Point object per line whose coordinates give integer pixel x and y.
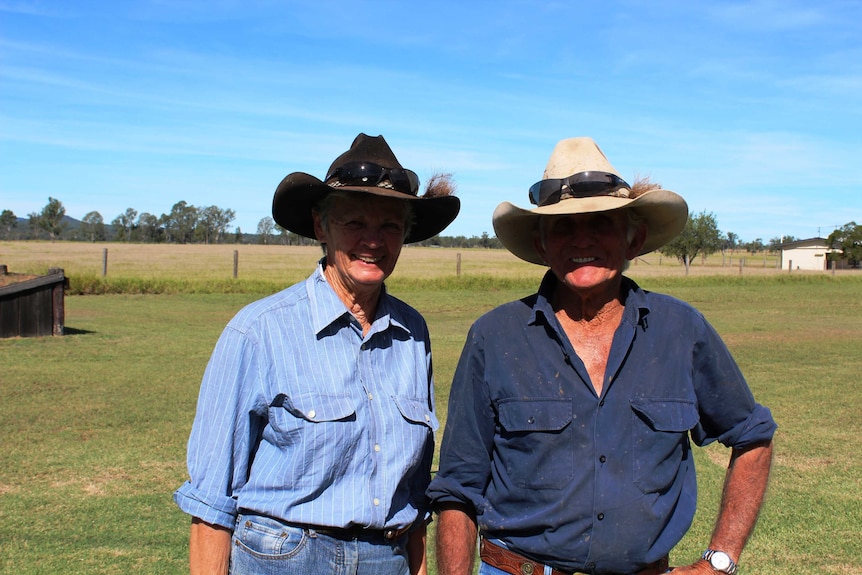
{"type": "Point", "coordinates": [758, 428]}
{"type": "Point", "coordinates": [190, 501]}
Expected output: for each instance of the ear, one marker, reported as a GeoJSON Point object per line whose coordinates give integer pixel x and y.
{"type": "Point", "coordinates": [539, 245]}
{"type": "Point", "coordinates": [637, 243]}
{"type": "Point", "coordinates": [319, 229]}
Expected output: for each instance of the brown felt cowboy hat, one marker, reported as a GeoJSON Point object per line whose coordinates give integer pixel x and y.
{"type": "Point", "coordinates": [579, 179]}
{"type": "Point", "coordinates": [368, 167]}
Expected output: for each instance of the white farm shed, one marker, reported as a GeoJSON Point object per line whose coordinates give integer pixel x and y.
{"type": "Point", "coordinates": [805, 255]}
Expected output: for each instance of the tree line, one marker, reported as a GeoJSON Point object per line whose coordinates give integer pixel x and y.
{"type": "Point", "coordinates": [186, 223]}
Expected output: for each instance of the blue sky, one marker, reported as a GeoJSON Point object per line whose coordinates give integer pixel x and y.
{"type": "Point", "coordinates": [749, 109]}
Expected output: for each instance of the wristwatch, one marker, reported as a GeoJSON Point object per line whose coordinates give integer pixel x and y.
{"type": "Point", "coordinates": [720, 561]}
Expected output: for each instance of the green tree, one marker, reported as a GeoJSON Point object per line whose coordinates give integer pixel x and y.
{"type": "Point", "coordinates": [213, 222]}
{"type": "Point", "coordinates": [700, 236]}
{"type": "Point", "coordinates": [125, 223]}
{"type": "Point", "coordinates": [180, 224]}
{"type": "Point", "coordinates": [731, 242]}
{"type": "Point", "coordinates": [93, 227]}
{"type": "Point", "coordinates": [51, 218]}
{"type": "Point", "coordinates": [8, 223]}
{"type": "Point", "coordinates": [848, 238]}
{"type": "Point", "coordinates": [265, 227]}
{"type": "Point", "coordinates": [149, 228]}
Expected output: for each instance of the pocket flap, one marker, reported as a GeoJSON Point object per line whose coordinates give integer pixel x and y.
{"type": "Point", "coordinates": [519, 415]}
{"type": "Point", "coordinates": [319, 408]}
{"type": "Point", "coordinates": [416, 411]}
{"type": "Point", "coordinates": [674, 415]}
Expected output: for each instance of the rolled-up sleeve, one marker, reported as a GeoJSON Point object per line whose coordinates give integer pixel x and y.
{"type": "Point", "coordinates": [465, 453]}
{"type": "Point", "coordinates": [226, 425]}
{"type": "Point", "coordinates": [729, 413]}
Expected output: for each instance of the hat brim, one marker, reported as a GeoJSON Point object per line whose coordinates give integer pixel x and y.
{"type": "Point", "coordinates": [665, 214]}
{"type": "Point", "coordinates": [298, 193]}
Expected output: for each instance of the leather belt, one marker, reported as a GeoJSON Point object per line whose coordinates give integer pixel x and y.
{"type": "Point", "coordinates": [356, 532]}
{"type": "Point", "coordinates": [516, 564]}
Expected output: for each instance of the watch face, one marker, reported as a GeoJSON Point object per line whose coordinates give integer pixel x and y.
{"type": "Point", "coordinates": [720, 560]}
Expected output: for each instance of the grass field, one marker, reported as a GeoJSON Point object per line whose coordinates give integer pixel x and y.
{"type": "Point", "coordinates": [95, 423]}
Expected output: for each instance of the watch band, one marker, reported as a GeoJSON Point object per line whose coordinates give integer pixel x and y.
{"type": "Point", "coordinates": [720, 561]}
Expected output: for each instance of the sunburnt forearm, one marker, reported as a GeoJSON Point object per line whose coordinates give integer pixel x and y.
{"type": "Point", "coordinates": [456, 542]}
{"type": "Point", "coordinates": [744, 491]}
{"type": "Point", "coordinates": [209, 549]}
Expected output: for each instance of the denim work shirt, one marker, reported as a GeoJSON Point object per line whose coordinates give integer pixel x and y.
{"type": "Point", "coordinates": [303, 419]}
{"type": "Point", "coordinates": [581, 482]}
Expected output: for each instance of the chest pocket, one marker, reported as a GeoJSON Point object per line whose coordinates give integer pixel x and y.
{"type": "Point", "coordinates": [417, 412]}
{"type": "Point", "coordinates": [303, 414]}
{"type": "Point", "coordinates": [660, 435]}
{"type": "Point", "coordinates": [535, 442]}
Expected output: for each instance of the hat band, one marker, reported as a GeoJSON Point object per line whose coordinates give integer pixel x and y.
{"type": "Point", "coordinates": [370, 174]}
{"type": "Point", "coordinates": [580, 185]}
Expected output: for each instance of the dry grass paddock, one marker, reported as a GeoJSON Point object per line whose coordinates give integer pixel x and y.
{"type": "Point", "coordinates": [291, 263]}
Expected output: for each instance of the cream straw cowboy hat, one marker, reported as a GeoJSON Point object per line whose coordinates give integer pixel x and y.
{"type": "Point", "coordinates": [579, 179]}
{"type": "Point", "coordinates": [368, 167]}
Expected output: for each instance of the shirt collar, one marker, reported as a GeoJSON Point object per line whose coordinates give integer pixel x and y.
{"type": "Point", "coordinates": [327, 309]}
{"type": "Point", "coordinates": [636, 304]}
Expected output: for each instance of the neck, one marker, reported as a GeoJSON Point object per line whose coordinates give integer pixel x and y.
{"type": "Point", "coordinates": [587, 307]}
{"type": "Point", "coordinates": [361, 301]}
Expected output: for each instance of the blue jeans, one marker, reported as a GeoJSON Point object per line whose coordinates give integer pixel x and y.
{"type": "Point", "coordinates": [265, 546]}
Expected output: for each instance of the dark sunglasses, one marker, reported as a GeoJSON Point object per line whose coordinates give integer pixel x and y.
{"type": "Point", "coordinates": [580, 185]}
{"type": "Point", "coordinates": [368, 174]}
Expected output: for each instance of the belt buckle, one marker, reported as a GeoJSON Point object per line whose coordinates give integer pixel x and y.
{"type": "Point", "coordinates": [527, 568]}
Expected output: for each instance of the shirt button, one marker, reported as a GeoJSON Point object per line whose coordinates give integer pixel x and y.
{"type": "Point", "coordinates": [312, 413]}
{"type": "Point", "coordinates": [601, 516]}
{"type": "Point", "coordinates": [370, 396]}
{"type": "Point", "coordinates": [531, 421]}
{"type": "Point", "coordinates": [376, 501]}
{"type": "Point", "coordinates": [376, 448]}
{"type": "Point", "coordinates": [427, 417]}
{"type": "Point", "coordinates": [602, 459]}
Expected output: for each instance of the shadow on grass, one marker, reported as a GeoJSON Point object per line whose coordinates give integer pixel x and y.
{"type": "Point", "coordinates": [73, 331]}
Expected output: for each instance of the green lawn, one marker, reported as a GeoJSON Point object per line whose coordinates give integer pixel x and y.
{"type": "Point", "coordinates": [95, 423]}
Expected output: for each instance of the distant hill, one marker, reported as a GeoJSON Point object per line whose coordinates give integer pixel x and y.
{"type": "Point", "coordinates": [71, 223]}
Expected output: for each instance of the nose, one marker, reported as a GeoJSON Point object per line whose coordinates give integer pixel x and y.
{"type": "Point", "coordinates": [372, 236]}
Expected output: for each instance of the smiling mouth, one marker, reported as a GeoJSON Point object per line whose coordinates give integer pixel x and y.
{"type": "Point", "coordinates": [583, 260]}
{"type": "Point", "coordinates": [369, 260]}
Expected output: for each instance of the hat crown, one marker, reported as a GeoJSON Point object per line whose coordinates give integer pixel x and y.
{"type": "Point", "coordinates": [365, 148]}
{"type": "Point", "coordinates": [576, 155]}
{"type": "Point", "coordinates": [353, 172]}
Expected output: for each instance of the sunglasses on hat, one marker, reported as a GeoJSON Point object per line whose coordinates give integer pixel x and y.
{"type": "Point", "coordinates": [580, 185]}
{"type": "Point", "coordinates": [369, 174]}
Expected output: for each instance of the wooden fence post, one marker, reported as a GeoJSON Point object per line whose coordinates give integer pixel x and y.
{"type": "Point", "coordinates": [58, 307]}
{"type": "Point", "coordinates": [458, 265]}
{"type": "Point", "coordinates": [235, 263]}
{"type": "Point", "coordinates": [104, 262]}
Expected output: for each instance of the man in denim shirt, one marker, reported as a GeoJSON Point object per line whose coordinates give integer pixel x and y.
{"type": "Point", "coordinates": [311, 448]}
{"type": "Point", "coordinates": [567, 442]}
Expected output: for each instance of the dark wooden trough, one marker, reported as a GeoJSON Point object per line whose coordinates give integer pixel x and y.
{"type": "Point", "coordinates": [32, 306]}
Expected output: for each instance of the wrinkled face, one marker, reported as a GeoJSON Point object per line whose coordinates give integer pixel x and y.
{"type": "Point", "coordinates": [363, 236]}
{"type": "Point", "coordinates": [587, 252]}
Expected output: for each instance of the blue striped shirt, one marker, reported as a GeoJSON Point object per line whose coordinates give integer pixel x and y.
{"type": "Point", "coordinates": [302, 418]}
